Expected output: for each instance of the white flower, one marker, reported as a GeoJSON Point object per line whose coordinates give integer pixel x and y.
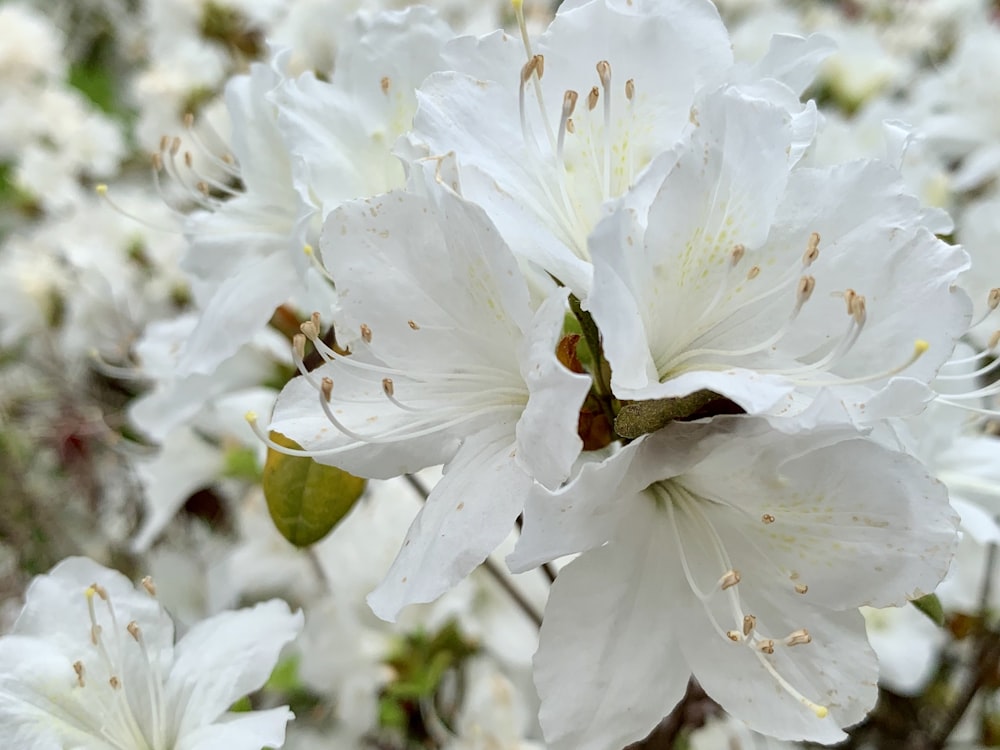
{"type": "Point", "coordinates": [604, 90]}
{"type": "Point", "coordinates": [735, 553]}
{"type": "Point", "coordinates": [765, 281]}
{"type": "Point", "coordinates": [452, 366]}
{"type": "Point", "coordinates": [91, 664]}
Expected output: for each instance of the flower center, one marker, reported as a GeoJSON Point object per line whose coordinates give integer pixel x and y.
{"type": "Point", "coordinates": [590, 156]}
{"type": "Point", "coordinates": [741, 295]}
{"type": "Point", "coordinates": [105, 690]}
{"type": "Point", "coordinates": [441, 400]}
{"type": "Point", "coordinates": [680, 502]}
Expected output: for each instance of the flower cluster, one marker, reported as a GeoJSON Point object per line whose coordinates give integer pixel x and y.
{"type": "Point", "coordinates": [675, 308]}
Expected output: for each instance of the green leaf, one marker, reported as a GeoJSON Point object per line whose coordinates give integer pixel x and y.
{"type": "Point", "coordinates": [930, 605]}
{"type": "Point", "coordinates": [306, 499]}
{"type": "Point", "coordinates": [96, 84]}
{"type": "Point", "coordinates": [241, 463]}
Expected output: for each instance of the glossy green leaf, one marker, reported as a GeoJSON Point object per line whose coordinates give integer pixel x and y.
{"type": "Point", "coordinates": [306, 499]}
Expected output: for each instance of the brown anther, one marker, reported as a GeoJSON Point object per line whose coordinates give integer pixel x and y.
{"type": "Point", "coordinates": [592, 97]}
{"type": "Point", "coordinates": [535, 65]}
{"type": "Point", "coordinates": [749, 623]}
{"type": "Point", "coordinates": [326, 388]}
{"type": "Point", "coordinates": [767, 518]}
{"type": "Point", "coordinates": [80, 671]}
{"type": "Point", "coordinates": [798, 638]}
{"type": "Point", "coordinates": [630, 89]}
{"type": "Point", "coordinates": [175, 146]}
{"type": "Point", "coordinates": [604, 73]}
{"type": "Point", "coordinates": [157, 161]}
{"type": "Point", "coordinates": [570, 125]}
{"type": "Point", "coordinates": [100, 591]}
{"type": "Point", "coordinates": [859, 309]}
{"type": "Point", "coordinates": [739, 250]}
{"type": "Point", "coordinates": [849, 296]}
{"type": "Point", "coordinates": [388, 387]}
{"type": "Point", "coordinates": [188, 160]}
{"type": "Point", "coordinates": [164, 142]}
{"type": "Point", "coordinates": [133, 630]}
{"type": "Point", "coordinates": [806, 286]}
{"type": "Point", "coordinates": [366, 333]}
{"type": "Point", "coordinates": [228, 158]}
{"type": "Point", "coordinates": [812, 250]}
{"type": "Point", "coordinates": [114, 682]}
{"type": "Point", "coordinates": [730, 579]}
{"type": "Point", "coordinates": [317, 321]}
{"type": "Point", "coordinates": [413, 325]}
{"type": "Point", "coordinates": [801, 588]}
{"type": "Point", "coordinates": [994, 340]}
{"type": "Point", "coordinates": [147, 583]}
{"type": "Point", "coordinates": [309, 330]}
{"type": "Point", "coordinates": [753, 273]}
{"type": "Point", "coordinates": [299, 345]}
{"type": "Point", "coordinates": [384, 83]}
{"type": "Point", "coordinates": [766, 646]}
{"type": "Point", "coordinates": [202, 187]}
{"type": "Point", "coordinates": [188, 120]}
{"type": "Point", "coordinates": [539, 66]}
{"type": "Point", "coordinates": [569, 102]}
{"type": "Point", "coordinates": [733, 635]}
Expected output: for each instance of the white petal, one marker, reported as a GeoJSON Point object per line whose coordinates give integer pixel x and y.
{"type": "Point", "coordinates": [470, 511]}
{"type": "Point", "coordinates": [223, 658]}
{"type": "Point", "coordinates": [243, 731]}
{"type": "Point", "coordinates": [547, 438]}
{"type": "Point", "coordinates": [607, 667]}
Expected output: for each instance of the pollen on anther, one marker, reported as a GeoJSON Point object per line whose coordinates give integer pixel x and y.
{"type": "Point", "coordinates": [326, 388]}
{"type": "Point", "coordinates": [749, 623]}
{"type": "Point", "coordinates": [812, 250]}
{"type": "Point", "coordinates": [413, 325]}
{"type": "Point", "coordinates": [592, 97]}
{"type": "Point", "coordinates": [604, 73]}
{"type": "Point", "coordinates": [80, 673]}
{"type": "Point", "coordinates": [767, 518]}
{"type": "Point", "coordinates": [100, 591]}
{"type": "Point", "coordinates": [147, 583]}
{"type": "Point", "coordinates": [801, 588]}
{"type": "Point", "coordinates": [733, 635]}
{"type": "Point", "coordinates": [730, 579]}
{"type": "Point", "coordinates": [366, 333]}
{"type": "Point", "coordinates": [798, 638]}
{"type": "Point", "coordinates": [630, 89]}
{"type": "Point", "coordinates": [766, 646]}
{"type": "Point", "coordinates": [133, 630]}
{"type": "Point", "coordinates": [388, 387]}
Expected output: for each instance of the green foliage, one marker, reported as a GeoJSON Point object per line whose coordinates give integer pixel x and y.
{"type": "Point", "coordinates": [420, 662]}
{"type": "Point", "coordinates": [930, 605]}
{"type": "Point", "coordinates": [306, 499]}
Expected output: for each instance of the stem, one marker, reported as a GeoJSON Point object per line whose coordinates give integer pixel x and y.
{"type": "Point", "coordinates": [489, 565]}
{"type": "Point", "coordinates": [984, 663]}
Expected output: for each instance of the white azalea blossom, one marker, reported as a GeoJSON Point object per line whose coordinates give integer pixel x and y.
{"type": "Point", "coordinates": [739, 555]}
{"type": "Point", "coordinates": [91, 664]}
{"type": "Point", "coordinates": [767, 282]}
{"type": "Point", "coordinates": [453, 366]}
{"type": "Point", "coordinates": [602, 92]}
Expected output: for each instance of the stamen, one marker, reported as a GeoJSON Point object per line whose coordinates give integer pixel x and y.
{"type": "Point", "coordinates": [801, 588]}
{"type": "Point", "coordinates": [812, 250]}
{"type": "Point", "coordinates": [749, 623]}
{"type": "Point", "coordinates": [798, 638]}
{"type": "Point", "coordinates": [593, 97]}
{"type": "Point", "coordinates": [102, 192]}
{"type": "Point", "coordinates": [604, 73]}
{"type": "Point", "coordinates": [569, 104]}
{"type": "Point", "coordinates": [821, 711]}
{"type": "Point", "coordinates": [147, 583]}
{"type": "Point", "coordinates": [311, 254]}
{"type": "Point", "coordinates": [730, 579]}
{"type": "Point", "coordinates": [767, 518]}
{"type": "Point", "coordinates": [766, 646]}
{"type": "Point", "coordinates": [366, 333]}
{"type": "Point", "coordinates": [413, 325]}
{"type": "Point", "coordinates": [80, 670]}
{"type": "Point", "coordinates": [733, 635]}
{"type": "Point", "coordinates": [753, 273]}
